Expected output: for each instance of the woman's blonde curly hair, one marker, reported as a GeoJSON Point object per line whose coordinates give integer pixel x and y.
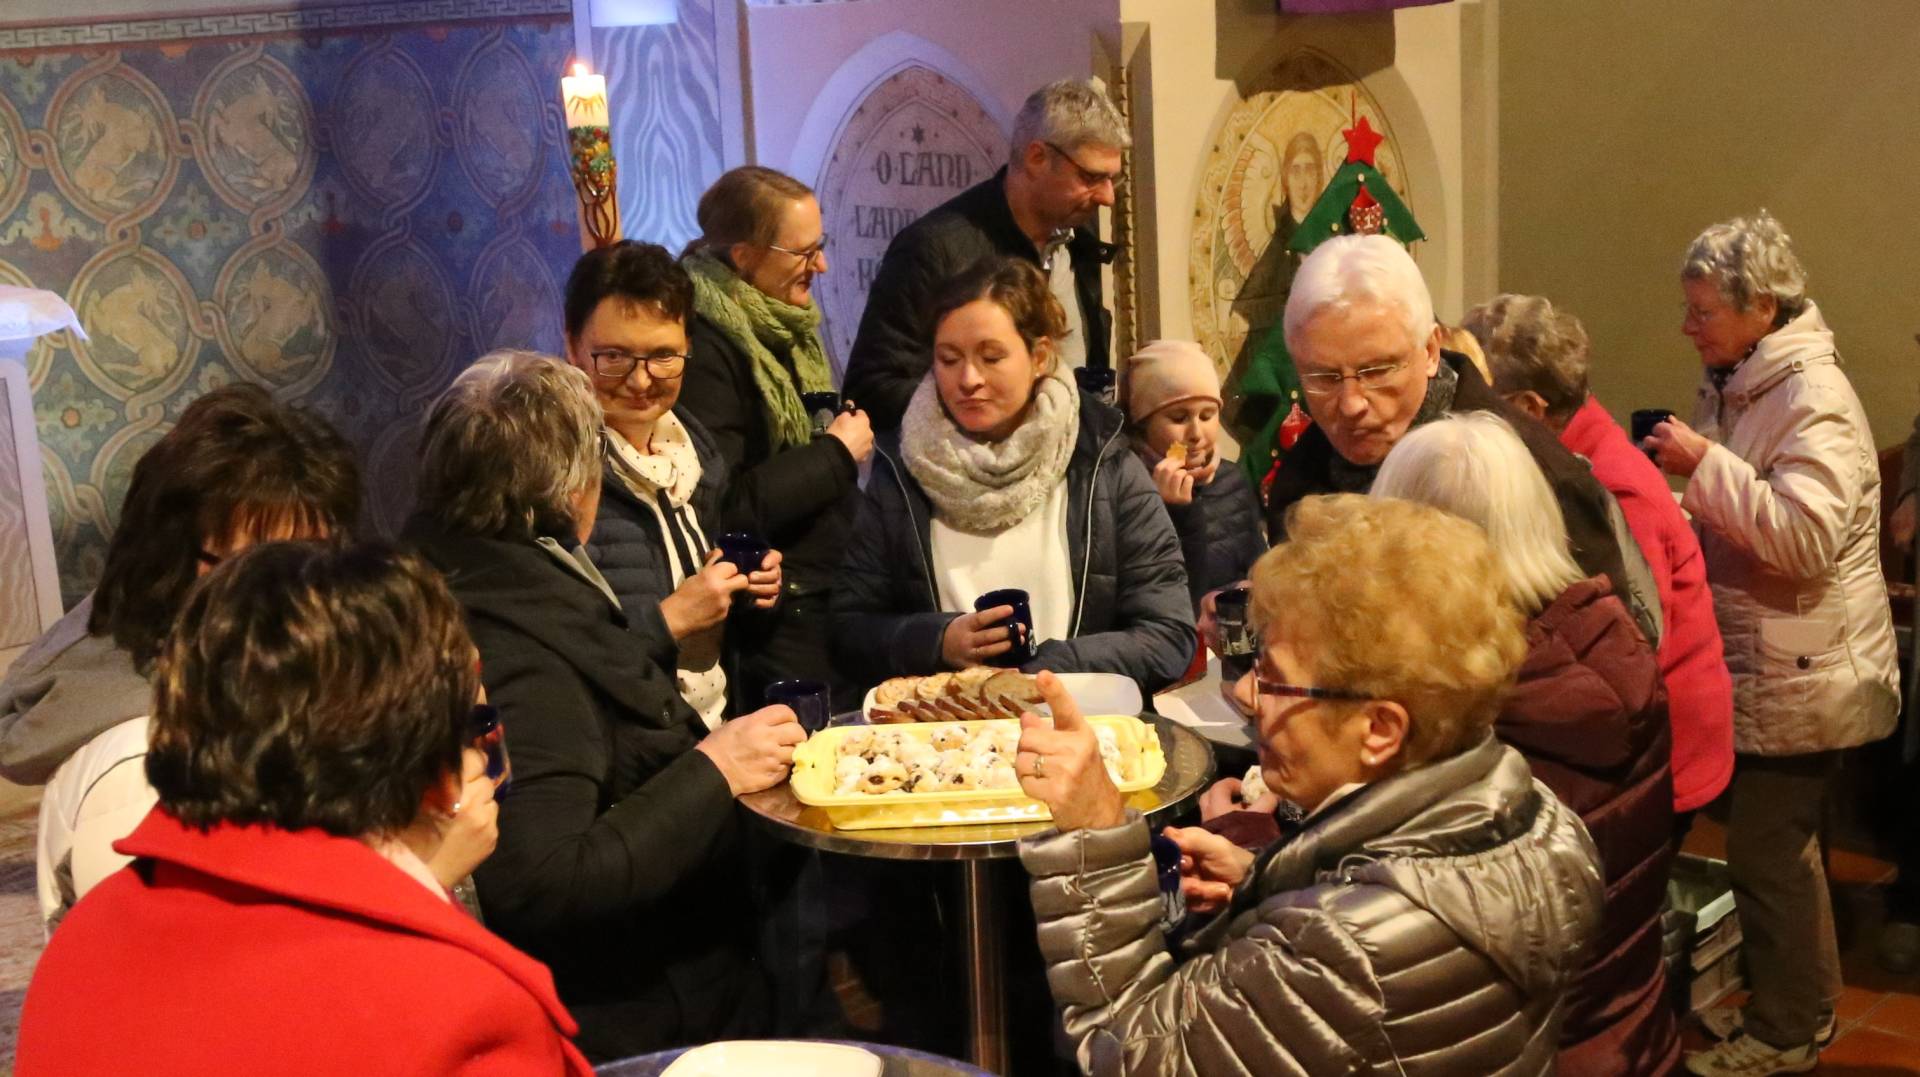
{"type": "Point", "coordinates": [1396, 601]}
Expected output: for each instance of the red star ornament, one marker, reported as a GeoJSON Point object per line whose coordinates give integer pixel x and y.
{"type": "Point", "coordinates": [1362, 141]}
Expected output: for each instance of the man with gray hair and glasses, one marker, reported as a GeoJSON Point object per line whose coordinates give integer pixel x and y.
{"type": "Point", "coordinates": [1360, 326]}
{"type": "Point", "coordinates": [1043, 206]}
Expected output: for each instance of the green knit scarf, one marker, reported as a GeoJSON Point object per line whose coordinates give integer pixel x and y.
{"type": "Point", "coordinates": [759, 324]}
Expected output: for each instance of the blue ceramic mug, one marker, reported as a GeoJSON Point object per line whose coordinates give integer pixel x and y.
{"type": "Point", "coordinates": [744, 551]}
{"type": "Point", "coordinates": [1019, 624]}
{"type": "Point", "coordinates": [808, 700]}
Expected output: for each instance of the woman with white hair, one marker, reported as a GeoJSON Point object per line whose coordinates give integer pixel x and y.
{"type": "Point", "coordinates": [1784, 488]}
{"type": "Point", "coordinates": [1589, 713]}
{"type": "Point", "coordinates": [620, 861]}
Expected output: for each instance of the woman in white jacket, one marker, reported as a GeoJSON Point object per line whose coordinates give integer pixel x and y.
{"type": "Point", "coordinates": [1784, 487]}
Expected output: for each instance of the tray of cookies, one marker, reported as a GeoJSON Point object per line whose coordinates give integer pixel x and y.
{"type": "Point", "coordinates": [948, 773]}
{"type": "Point", "coordinates": [987, 692]}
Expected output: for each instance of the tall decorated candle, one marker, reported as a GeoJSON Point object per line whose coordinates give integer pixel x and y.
{"type": "Point", "coordinates": [584, 97]}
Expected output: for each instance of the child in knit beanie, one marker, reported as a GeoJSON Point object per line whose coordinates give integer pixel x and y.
{"type": "Point", "coordinates": [1170, 391]}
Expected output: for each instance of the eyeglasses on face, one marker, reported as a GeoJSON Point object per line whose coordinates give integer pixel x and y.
{"type": "Point", "coordinates": [1266, 687]}
{"type": "Point", "coordinates": [1087, 176]}
{"type": "Point", "coordinates": [1368, 378]}
{"type": "Point", "coordinates": [805, 254]}
{"type": "Point", "coordinates": [618, 363]}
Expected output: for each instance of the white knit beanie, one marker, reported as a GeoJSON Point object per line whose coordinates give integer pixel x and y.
{"type": "Point", "coordinates": [1167, 372]}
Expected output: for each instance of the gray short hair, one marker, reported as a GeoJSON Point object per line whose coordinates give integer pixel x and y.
{"type": "Point", "coordinates": [1349, 269]}
{"type": "Point", "coordinates": [1474, 466]}
{"type": "Point", "coordinates": [1069, 113]}
{"type": "Point", "coordinates": [1746, 258]}
{"type": "Point", "coordinates": [1530, 345]}
{"type": "Point", "coordinates": [509, 446]}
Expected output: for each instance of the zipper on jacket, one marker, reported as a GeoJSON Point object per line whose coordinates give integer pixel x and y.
{"type": "Point", "coordinates": [1086, 546]}
{"type": "Point", "coordinates": [926, 560]}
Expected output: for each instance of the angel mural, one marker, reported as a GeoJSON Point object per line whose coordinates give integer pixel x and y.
{"type": "Point", "coordinates": [1272, 161]}
{"type": "Point", "coordinates": [1262, 296]}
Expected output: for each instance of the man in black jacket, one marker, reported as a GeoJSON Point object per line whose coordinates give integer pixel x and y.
{"type": "Point", "coordinates": [1360, 326]}
{"type": "Point", "coordinates": [1044, 207]}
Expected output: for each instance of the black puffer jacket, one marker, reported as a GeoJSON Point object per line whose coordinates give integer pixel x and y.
{"type": "Point", "coordinates": [1429, 924]}
{"type": "Point", "coordinates": [1221, 532]}
{"type": "Point", "coordinates": [801, 500]}
{"type": "Point", "coordinates": [1131, 616]}
{"type": "Point", "coordinates": [620, 856]}
{"type": "Point", "coordinates": [893, 350]}
{"type": "Point", "coordinates": [628, 549]}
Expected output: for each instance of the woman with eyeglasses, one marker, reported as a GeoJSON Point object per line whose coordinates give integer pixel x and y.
{"type": "Point", "coordinates": [663, 477]}
{"type": "Point", "coordinates": [1589, 712]}
{"type": "Point", "coordinates": [791, 459]}
{"type": "Point", "coordinates": [311, 752]}
{"type": "Point", "coordinates": [1425, 909]}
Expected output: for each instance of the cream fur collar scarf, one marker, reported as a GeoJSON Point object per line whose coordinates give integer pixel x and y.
{"type": "Point", "coordinates": [987, 487]}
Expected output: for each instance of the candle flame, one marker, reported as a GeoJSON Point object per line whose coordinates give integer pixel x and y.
{"type": "Point", "coordinates": [579, 69]}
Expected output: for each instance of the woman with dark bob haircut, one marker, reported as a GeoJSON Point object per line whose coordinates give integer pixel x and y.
{"type": "Point", "coordinates": [311, 715]}
{"type": "Point", "coordinates": [237, 469]}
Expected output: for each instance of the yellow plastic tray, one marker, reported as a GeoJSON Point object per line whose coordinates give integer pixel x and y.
{"type": "Point", "coordinates": [813, 782]}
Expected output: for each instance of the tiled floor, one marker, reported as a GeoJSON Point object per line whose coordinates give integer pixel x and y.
{"type": "Point", "coordinates": [1878, 1012]}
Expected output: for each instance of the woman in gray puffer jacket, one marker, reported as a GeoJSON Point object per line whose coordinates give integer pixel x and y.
{"type": "Point", "coordinates": [1426, 915]}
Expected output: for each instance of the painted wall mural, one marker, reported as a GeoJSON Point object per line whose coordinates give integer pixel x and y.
{"type": "Point", "coordinates": [914, 140]}
{"type": "Point", "coordinates": [347, 218]}
{"type": "Point", "coordinates": [1270, 160]}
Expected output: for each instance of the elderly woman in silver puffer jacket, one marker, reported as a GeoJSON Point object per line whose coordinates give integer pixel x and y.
{"type": "Point", "coordinates": [1426, 912]}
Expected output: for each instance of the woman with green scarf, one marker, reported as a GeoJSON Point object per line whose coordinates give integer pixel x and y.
{"type": "Point", "coordinates": [756, 349]}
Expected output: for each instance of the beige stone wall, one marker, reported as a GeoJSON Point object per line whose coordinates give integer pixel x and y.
{"type": "Point", "coordinates": [1627, 126]}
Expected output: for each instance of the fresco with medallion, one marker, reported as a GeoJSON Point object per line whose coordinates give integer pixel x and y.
{"type": "Point", "coordinates": [347, 218]}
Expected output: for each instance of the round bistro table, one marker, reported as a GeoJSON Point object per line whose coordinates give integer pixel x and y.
{"type": "Point", "coordinates": [898, 1062]}
{"type": "Point", "coordinates": [1189, 771]}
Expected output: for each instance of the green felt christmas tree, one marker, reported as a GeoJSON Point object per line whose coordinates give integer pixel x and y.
{"type": "Point", "coordinates": [1357, 201]}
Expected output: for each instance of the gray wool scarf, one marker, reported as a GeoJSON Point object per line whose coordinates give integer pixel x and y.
{"type": "Point", "coordinates": [986, 487]}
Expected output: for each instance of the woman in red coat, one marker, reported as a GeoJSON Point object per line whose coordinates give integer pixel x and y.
{"type": "Point", "coordinates": [1540, 358]}
{"type": "Point", "coordinates": [1590, 715]}
{"type": "Point", "coordinates": [311, 716]}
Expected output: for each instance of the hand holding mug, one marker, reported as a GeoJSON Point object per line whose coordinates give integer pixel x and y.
{"type": "Point", "coordinates": [470, 827]}
{"type": "Point", "coordinates": [973, 638]}
{"type": "Point", "coordinates": [1211, 867]}
{"type": "Point", "coordinates": [703, 599]}
{"type": "Point", "coordinates": [855, 432]}
{"type": "Point", "coordinates": [1676, 448]}
{"type": "Point", "coordinates": [755, 751]}
{"type": "Point", "coordinates": [764, 583]}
